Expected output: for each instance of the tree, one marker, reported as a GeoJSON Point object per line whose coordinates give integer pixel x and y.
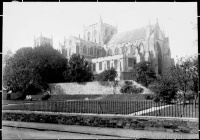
{"type": "Point", "coordinates": [34, 67]}
{"type": "Point", "coordinates": [108, 75]}
{"type": "Point", "coordinates": [164, 89]}
{"type": "Point", "coordinates": [79, 70]}
{"type": "Point", "coordinates": [144, 73]}
{"type": "Point", "coordinates": [185, 73]}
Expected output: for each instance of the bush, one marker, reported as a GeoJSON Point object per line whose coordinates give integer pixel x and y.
{"type": "Point", "coordinates": [165, 90]}
{"type": "Point", "coordinates": [46, 97]}
{"type": "Point", "coordinates": [189, 95]}
{"type": "Point", "coordinates": [128, 88]}
{"type": "Point", "coordinates": [149, 96]}
{"type": "Point", "coordinates": [108, 75]}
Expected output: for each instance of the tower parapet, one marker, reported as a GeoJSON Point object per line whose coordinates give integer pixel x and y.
{"type": "Point", "coordinates": [43, 41]}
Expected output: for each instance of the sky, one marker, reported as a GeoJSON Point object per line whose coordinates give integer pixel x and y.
{"type": "Point", "coordinates": [23, 21]}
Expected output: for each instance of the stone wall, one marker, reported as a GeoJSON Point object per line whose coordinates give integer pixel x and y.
{"type": "Point", "coordinates": [127, 122]}
{"type": "Point", "coordinates": [89, 88]}
{"type": "Point", "coordinates": [82, 88]}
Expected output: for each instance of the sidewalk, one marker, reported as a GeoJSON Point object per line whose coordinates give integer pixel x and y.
{"type": "Point", "coordinates": [117, 132]}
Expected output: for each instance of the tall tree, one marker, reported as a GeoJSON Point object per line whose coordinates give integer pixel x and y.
{"type": "Point", "coordinates": [79, 69]}
{"type": "Point", "coordinates": [34, 66]}
{"type": "Point", "coordinates": [144, 73]}
{"type": "Point", "coordinates": [185, 73]}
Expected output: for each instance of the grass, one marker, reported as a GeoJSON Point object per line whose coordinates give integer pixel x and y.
{"type": "Point", "coordinates": [101, 97]}
{"type": "Point", "coordinates": [90, 106]}
{"type": "Point", "coordinates": [177, 110]}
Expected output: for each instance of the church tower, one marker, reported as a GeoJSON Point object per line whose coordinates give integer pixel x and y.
{"type": "Point", "coordinates": [99, 32]}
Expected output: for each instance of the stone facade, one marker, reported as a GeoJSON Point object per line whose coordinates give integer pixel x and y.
{"type": "Point", "coordinates": [105, 48]}
{"type": "Point", "coordinates": [43, 41]}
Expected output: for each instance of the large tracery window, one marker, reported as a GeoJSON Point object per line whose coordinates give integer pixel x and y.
{"type": "Point", "coordinates": [91, 51]}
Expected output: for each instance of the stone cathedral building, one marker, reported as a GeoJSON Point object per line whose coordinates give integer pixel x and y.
{"type": "Point", "coordinates": [104, 47]}
{"type": "Point", "coordinates": [39, 41]}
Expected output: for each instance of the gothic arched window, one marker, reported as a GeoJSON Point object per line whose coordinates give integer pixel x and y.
{"type": "Point", "coordinates": [106, 32]}
{"type": "Point", "coordinates": [111, 32]}
{"type": "Point", "coordinates": [103, 52]}
{"type": "Point", "coordinates": [117, 51]}
{"type": "Point", "coordinates": [95, 35]}
{"type": "Point", "coordinates": [98, 52]}
{"type": "Point", "coordinates": [91, 51]}
{"type": "Point", "coordinates": [88, 36]}
{"type": "Point", "coordinates": [84, 50]}
{"type": "Point", "coordinates": [109, 52]}
{"type": "Point", "coordinates": [141, 48]}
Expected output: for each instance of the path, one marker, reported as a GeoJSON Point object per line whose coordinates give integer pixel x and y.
{"type": "Point", "coordinates": [99, 131]}
{"type": "Point", "coordinates": [24, 133]}
{"type": "Point", "coordinates": [149, 110]}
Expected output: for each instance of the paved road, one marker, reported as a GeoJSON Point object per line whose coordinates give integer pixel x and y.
{"type": "Point", "coordinates": [21, 133]}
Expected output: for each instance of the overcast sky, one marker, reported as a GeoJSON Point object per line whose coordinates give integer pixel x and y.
{"type": "Point", "coordinates": [21, 21]}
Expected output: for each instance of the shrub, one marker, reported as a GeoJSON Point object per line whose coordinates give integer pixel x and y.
{"type": "Point", "coordinates": [189, 95]}
{"type": "Point", "coordinates": [128, 88]}
{"type": "Point", "coordinates": [149, 96]}
{"type": "Point", "coordinates": [165, 90]}
{"type": "Point", "coordinates": [108, 75]}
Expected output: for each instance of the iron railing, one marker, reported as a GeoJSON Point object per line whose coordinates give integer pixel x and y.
{"type": "Point", "coordinates": [139, 108]}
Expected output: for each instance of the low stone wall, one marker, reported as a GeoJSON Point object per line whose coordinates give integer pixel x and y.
{"type": "Point", "coordinates": [80, 88]}
{"type": "Point", "coordinates": [89, 88]}
{"type": "Point", "coordinates": [126, 122]}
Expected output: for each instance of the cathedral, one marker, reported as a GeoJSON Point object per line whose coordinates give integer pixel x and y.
{"type": "Point", "coordinates": [39, 41]}
{"type": "Point", "coordinates": [104, 47]}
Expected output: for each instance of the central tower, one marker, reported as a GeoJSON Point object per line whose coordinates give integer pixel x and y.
{"type": "Point", "coordinates": [99, 33]}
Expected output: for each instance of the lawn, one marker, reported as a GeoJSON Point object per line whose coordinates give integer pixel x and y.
{"type": "Point", "coordinates": [100, 97]}
{"type": "Point", "coordinates": [85, 106]}
{"type": "Point", "coordinates": [177, 110]}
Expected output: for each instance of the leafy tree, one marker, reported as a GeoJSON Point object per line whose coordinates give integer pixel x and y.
{"type": "Point", "coordinates": [34, 67]}
{"type": "Point", "coordinates": [144, 73]}
{"type": "Point", "coordinates": [79, 70]}
{"type": "Point", "coordinates": [108, 75]}
{"type": "Point", "coordinates": [185, 73]}
{"type": "Point", "coordinates": [164, 89]}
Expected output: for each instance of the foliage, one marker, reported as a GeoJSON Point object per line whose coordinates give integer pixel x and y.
{"type": "Point", "coordinates": [149, 96]}
{"type": "Point", "coordinates": [129, 88]}
{"type": "Point", "coordinates": [108, 75]}
{"type": "Point", "coordinates": [185, 74]}
{"type": "Point", "coordinates": [32, 68]}
{"type": "Point", "coordinates": [164, 89]}
{"type": "Point", "coordinates": [144, 73]}
{"type": "Point", "coordinates": [189, 96]}
{"type": "Point", "coordinates": [79, 70]}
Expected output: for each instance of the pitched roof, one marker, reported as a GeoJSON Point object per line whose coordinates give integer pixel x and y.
{"type": "Point", "coordinates": [128, 36]}
{"type": "Point", "coordinates": [84, 41]}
